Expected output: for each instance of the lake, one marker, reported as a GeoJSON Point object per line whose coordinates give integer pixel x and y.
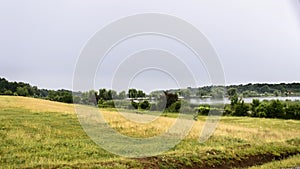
{"type": "Point", "coordinates": [247, 100]}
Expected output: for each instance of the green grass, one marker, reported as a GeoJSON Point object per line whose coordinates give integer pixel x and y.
{"type": "Point", "coordinates": [42, 134]}
{"type": "Point", "coordinates": [287, 163]}
{"type": "Point", "coordinates": [49, 140]}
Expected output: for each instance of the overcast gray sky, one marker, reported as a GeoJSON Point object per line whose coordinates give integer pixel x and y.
{"type": "Point", "coordinates": [257, 40]}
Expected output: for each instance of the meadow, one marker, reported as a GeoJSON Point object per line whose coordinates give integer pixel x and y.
{"type": "Point", "coordinates": [37, 133]}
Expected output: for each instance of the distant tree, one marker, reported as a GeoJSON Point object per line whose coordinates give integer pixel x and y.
{"type": "Point", "coordinates": [234, 100]}
{"type": "Point", "coordinates": [166, 100]}
{"type": "Point", "coordinates": [201, 92]}
{"type": "Point", "coordinates": [89, 98]}
{"type": "Point", "coordinates": [217, 92]}
{"type": "Point", "coordinates": [232, 92]}
{"type": "Point", "coordinates": [261, 109]}
{"type": "Point", "coordinates": [132, 93]}
{"type": "Point", "coordinates": [140, 93]}
{"type": "Point", "coordinates": [8, 92]}
{"type": "Point", "coordinates": [111, 94]}
{"type": "Point", "coordinates": [276, 93]}
{"type": "Point", "coordinates": [22, 91]}
{"type": "Point", "coordinates": [35, 91]}
{"type": "Point", "coordinates": [103, 94]}
{"type": "Point", "coordinates": [254, 105]}
{"type": "Point", "coordinates": [241, 109]}
{"type": "Point", "coordinates": [233, 96]}
{"type": "Point", "coordinates": [186, 93]}
{"type": "Point", "coordinates": [66, 97]}
{"type": "Point", "coordinates": [275, 109]}
{"type": "Point", "coordinates": [265, 89]}
{"type": "Point", "coordinates": [76, 99]}
{"type": "Point", "coordinates": [122, 95]}
{"type": "Point", "coordinates": [155, 95]}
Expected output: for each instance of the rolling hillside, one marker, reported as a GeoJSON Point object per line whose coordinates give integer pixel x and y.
{"type": "Point", "coordinates": [38, 133]}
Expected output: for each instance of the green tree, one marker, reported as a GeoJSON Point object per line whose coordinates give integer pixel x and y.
{"type": "Point", "coordinates": [140, 93]}
{"type": "Point", "coordinates": [122, 95]}
{"type": "Point", "coordinates": [276, 93]}
{"type": "Point", "coordinates": [255, 103]}
{"type": "Point", "coordinates": [22, 91]}
{"type": "Point", "coordinates": [111, 94]}
{"type": "Point", "coordinates": [233, 96]}
{"type": "Point", "coordinates": [265, 89]}
{"type": "Point", "coordinates": [241, 109]}
{"type": "Point", "coordinates": [275, 109]}
{"type": "Point", "coordinates": [186, 93]}
{"type": "Point", "coordinates": [103, 94]}
{"type": "Point", "coordinates": [201, 92]}
{"type": "Point", "coordinates": [132, 93]}
{"type": "Point", "coordinates": [232, 92]}
{"type": "Point", "coordinates": [8, 92]}
{"type": "Point", "coordinates": [217, 92]}
{"type": "Point", "coordinates": [89, 97]}
{"type": "Point", "coordinates": [261, 109]}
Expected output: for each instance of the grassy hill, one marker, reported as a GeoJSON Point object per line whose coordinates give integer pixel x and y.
{"type": "Point", "coordinates": [37, 133]}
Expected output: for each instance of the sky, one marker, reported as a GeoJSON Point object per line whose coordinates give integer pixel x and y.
{"type": "Point", "coordinates": [257, 41]}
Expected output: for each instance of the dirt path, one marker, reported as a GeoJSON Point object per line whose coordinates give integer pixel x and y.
{"type": "Point", "coordinates": [155, 162]}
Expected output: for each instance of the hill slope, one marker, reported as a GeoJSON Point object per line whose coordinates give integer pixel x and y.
{"type": "Point", "coordinates": [43, 134]}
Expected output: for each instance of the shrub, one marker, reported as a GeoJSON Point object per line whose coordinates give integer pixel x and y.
{"type": "Point", "coordinates": [135, 105]}
{"type": "Point", "coordinates": [227, 110]}
{"type": "Point", "coordinates": [174, 108]}
{"type": "Point", "coordinates": [203, 110]}
{"type": "Point", "coordinates": [144, 105]}
{"type": "Point", "coordinates": [106, 104]}
{"type": "Point", "coordinates": [8, 92]}
{"type": "Point", "coordinates": [241, 109]}
{"type": "Point", "coordinates": [275, 109]}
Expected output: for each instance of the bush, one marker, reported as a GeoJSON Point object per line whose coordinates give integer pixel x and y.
{"type": "Point", "coordinates": [261, 110]}
{"type": "Point", "coordinates": [134, 105]}
{"type": "Point", "coordinates": [275, 109]}
{"type": "Point", "coordinates": [227, 110]}
{"type": "Point", "coordinates": [203, 110]}
{"type": "Point", "coordinates": [106, 104]}
{"type": "Point", "coordinates": [8, 92]}
{"type": "Point", "coordinates": [241, 109]}
{"type": "Point", "coordinates": [174, 108]}
{"type": "Point", "coordinates": [292, 110]}
{"type": "Point", "coordinates": [144, 105]}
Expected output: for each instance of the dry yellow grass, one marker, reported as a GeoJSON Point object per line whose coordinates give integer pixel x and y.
{"type": "Point", "coordinates": [259, 132]}
{"type": "Point", "coordinates": [124, 124]}
{"type": "Point", "coordinates": [36, 105]}
{"type": "Point", "coordinates": [39, 133]}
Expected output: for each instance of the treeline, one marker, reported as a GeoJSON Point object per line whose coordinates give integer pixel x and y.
{"type": "Point", "coordinates": [25, 89]}
{"type": "Point", "coordinates": [91, 97]}
{"type": "Point", "coordinates": [248, 90]}
{"type": "Point", "coordinates": [137, 99]}
{"type": "Point", "coordinates": [169, 101]}
{"type": "Point", "coordinates": [263, 109]}
{"type": "Point", "coordinates": [267, 108]}
{"type": "Point", "coordinates": [133, 99]}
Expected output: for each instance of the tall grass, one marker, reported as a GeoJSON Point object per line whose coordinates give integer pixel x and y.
{"type": "Point", "coordinates": [43, 134]}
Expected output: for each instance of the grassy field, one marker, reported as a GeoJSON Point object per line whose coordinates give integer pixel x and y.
{"type": "Point", "coordinates": [43, 134]}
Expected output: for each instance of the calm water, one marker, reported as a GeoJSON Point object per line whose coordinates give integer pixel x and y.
{"type": "Point", "coordinates": [247, 100]}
